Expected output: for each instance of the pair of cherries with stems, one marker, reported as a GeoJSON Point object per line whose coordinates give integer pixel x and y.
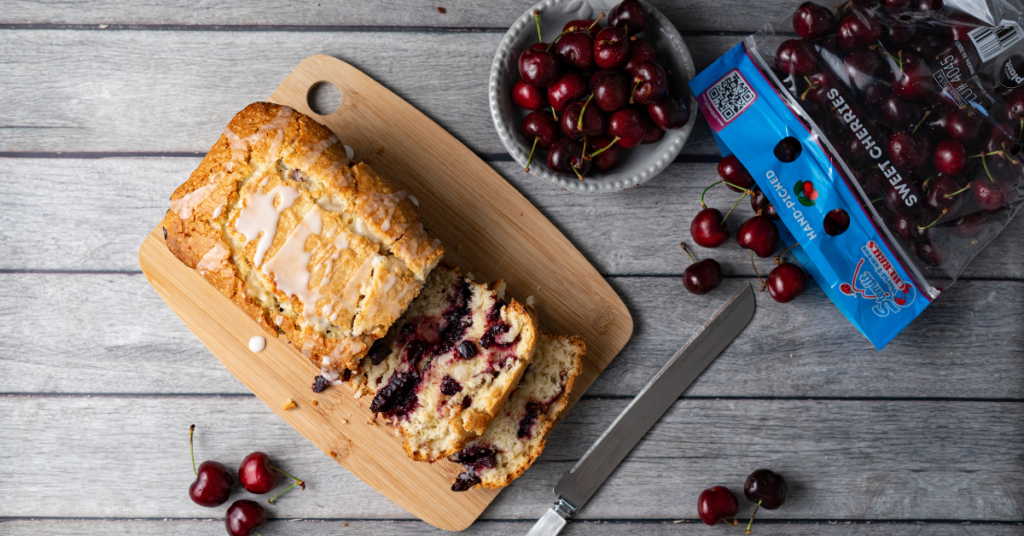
{"type": "Point", "coordinates": [764, 486]}
{"type": "Point", "coordinates": [214, 484]}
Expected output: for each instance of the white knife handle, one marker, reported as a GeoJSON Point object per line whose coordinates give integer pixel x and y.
{"type": "Point", "coordinates": [549, 524]}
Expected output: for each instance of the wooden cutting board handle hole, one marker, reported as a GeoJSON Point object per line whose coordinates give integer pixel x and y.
{"type": "Point", "coordinates": [324, 98]}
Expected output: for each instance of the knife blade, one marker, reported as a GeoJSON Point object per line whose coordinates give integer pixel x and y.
{"type": "Point", "coordinates": [578, 485]}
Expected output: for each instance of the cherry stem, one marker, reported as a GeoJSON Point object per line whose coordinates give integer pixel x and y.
{"type": "Point", "coordinates": [191, 450]}
{"type": "Point", "coordinates": [745, 191]}
{"type": "Point", "coordinates": [536, 19]}
{"type": "Point", "coordinates": [575, 167]}
{"type": "Point", "coordinates": [984, 164]}
{"type": "Point", "coordinates": [687, 250]}
{"type": "Point", "coordinates": [603, 149]}
{"type": "Point", "coordinates": [943, 213]}
{"type": "Point", "coordinates": [591, 27]}
{"type": "Point", "coordinates": [553, 41]}
{"type": "Point", "coordinates": [638, 82]}
{"type": "Point", "coordinates": [756, 507]}
{"type": "Point", "coordinates": [554, 113]}
{"type": "Point", "coordinates": [763, 284]}
{"type": "Point", "coordinates": [778, 258]}
{"type": "Point", "coordinates": [984, 154]}
{"type": "Point", "coordinates": [921, 122]}
{"type": "Point", "coordinates": [967, 245]}
{"type": "Point", "coordinates": [744, 194]}
{"type": "Point", "coordinates": [727, 522]}
{"type": "Point", "coordinates": [960, 191]}
{"type": "Point", "coordinates": [530, 159]}
{"type": "Point", "coordinates": [579, 122]}
{"type": "Point", "coordinates": [810, 86]}
{"type": "Point", "coordinates": [298, 482]}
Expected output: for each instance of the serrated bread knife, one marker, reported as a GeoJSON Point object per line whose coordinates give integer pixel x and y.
{"type": "Point", "coordinates": [582, 481]}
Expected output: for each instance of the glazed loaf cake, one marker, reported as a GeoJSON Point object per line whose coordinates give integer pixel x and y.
{"type": "Point", "coordinates": [301, 238]}
{"type": "Point", "coordinates": [516, 436]}
{"type": "Point", "coordinates": [448, 365]}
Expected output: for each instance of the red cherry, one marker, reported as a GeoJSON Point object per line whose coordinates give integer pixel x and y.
{"type": "Point", "coordinates": [786, 281]}
{"type": "Point", "coordinates": [988, 194]}
{"type": "Point", "coordinates": [566, 156]}
{"type": "Point", "coordinates": [650, 82]}
{"type": "Point", "coordinates": [608, 158]}
{"type": "Point", "coordinates": [946, 193]}
{"type": "Point", "coordinates": [568, 87]}
{"type": "Point", "coordinates": [950, 157]}
{"type": "Point", "coordinates": [611, 48]}
{"type": "Point", "coordinates": [836, 222]}
{"type": "Point", "coordinates": [761, 206]}
{"type": "Point", "coordinates": [858, 29]}
{"type": "Point", "coordinates": [538, 67]}
{"type": "Point", "coordinates": [256, 475]}
{"type": "Point", "coordinates": [592, 123]}
{"type": "Point", "coordinates": [669, 112]}
{"type": "Point", "coordinates": [625, 125]}
{"type": "Point", "coordinates": [213, 483]}
{"type": "Point", "coordinates": [733, 173]}
{"type": "Point", "coordinates": [628, 15]}
{"type": "Point", "coordinates": [701, 277]}
{"type": "Point", "coordinates": [911, 77]}
{"type": "Point", "coordinates": [796, 57]}
{"type": "Point", "coordinates": [715, 504]}
{"type": "Point", "coordinates": [610, 89]}
{"type": "Point", "coordinates": [576, 50]}
{"type": "Point", "coordinates": [244, 517]}
{"type": "Point", "coordinates": [812, 21]}
{"type": "Point", "coordinates": [651, 133]}
{"type": "Point", "coordinates": [708, 230]}
{"type": "Point", "coordinates": [540, 126]}
{"type": "Point", "coordinates": [963, 124]}
{"type": "Point", "coordinates": [766, 487]}
{"type": "Point", "coordinates": [639, 52]}
{"type": "Point", "coordinates": [760, 235]}
{"type": "Point", "coordinates": [907, 151]}
{"type": "Point", "coordinates": [932, 253]}
{"type": "Point", "coordinates": [528, 97]}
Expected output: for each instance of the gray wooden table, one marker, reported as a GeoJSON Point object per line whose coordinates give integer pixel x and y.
{"type": "Point", "coordinates": [107, 106]}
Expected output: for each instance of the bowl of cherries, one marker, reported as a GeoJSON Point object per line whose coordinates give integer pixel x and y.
{"type": "Point", "coordinates": [591, 95]}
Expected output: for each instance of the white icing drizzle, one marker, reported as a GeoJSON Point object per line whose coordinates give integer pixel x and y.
{"type": "Point", "coordinates": [354, 288]}
{"type": "Point", "coordinates": [215, 259]}
{"type": "Point", "coordinates": [389, 303]}
{"type": "Point", "coordinates": [414, 200]}
{"type": "Point", "coordinates": [191, 200]}
{"type": "Point", "coordinates": [409, 249]}
{"type": "Point", "coordinates": [239, 146]}
{"type": "Point", "coordinates": [220, 209]}
{"type": "Point", "coordinates": [261, 216]}
{"type": "Point", "coordinates": [315, 151]}
{"type": "Point", "coordinates": [288, 267]}
{"type": "Point", "coordinates": [380, 207]}
{"type": "Point", "coordinates": [307, 348]}
{"type": "Point", "coordinates": [349, 153]}
{"type": "Point", "coordinates": [329, 374]}
{"type": "Point", "coordinates": [257, 344]}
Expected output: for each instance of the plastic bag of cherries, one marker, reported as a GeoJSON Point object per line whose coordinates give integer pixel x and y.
{"type": "Point", "coordinates": [593, 91]}
{"type": "Point", "coordinates": [908, 115]}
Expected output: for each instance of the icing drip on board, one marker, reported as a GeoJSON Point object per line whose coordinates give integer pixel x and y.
{"type": "Point", "coordinates": [260, 216]}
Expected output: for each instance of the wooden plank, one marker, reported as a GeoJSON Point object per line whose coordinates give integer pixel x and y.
{"type": "Point", "coordinates": [105, 206]}
{"type": "Point", "coordinates": [875, 460]}
{"type": "Point", "coordinates": [316, 527]}
{"type": "Point", "coordinates": [727, 15]}
{"type": "Point", "coordinates": [175, 91]}
{"type": "Point", "coordinates": [107, 333]}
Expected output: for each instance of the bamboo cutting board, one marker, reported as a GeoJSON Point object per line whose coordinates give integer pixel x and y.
{"type": "Point", "coordinates": [488, 229]}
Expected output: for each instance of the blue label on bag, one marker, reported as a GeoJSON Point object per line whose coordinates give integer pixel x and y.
{"type": "Point", "coordinates": [856, 269]}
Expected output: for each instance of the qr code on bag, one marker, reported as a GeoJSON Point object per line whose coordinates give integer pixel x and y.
{"type": "Point", "coordinates": [731, 95]}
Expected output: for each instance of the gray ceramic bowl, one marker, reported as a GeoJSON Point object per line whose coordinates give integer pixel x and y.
{"type": "Point", "coordinates": [639, 164]}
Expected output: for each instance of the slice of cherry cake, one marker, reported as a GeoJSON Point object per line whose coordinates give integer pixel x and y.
{"type": "Point", "coordinates": [448, 365]}
{"type": "Point", "coordinates": [516, 436]}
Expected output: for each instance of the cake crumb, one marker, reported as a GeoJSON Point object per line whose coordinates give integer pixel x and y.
{"type": "Point", "coordinates": [442, 11]}
{"type": "Point", "coordinates": [314, 402]}
{"type": "Point", "coordinates": [344, 524]}
{"type": "Point", "coordinates": [344, 421]}
{"type": "Point", "coordinates": [530, 300]}
{"type": "Point", "coordinates": [331, 453]}
{"type": "Point", "coordinates": [458, 247]}
{"type": "Point", "coordinates": [289, 404]}
{"type": "Point", "coordinates": [381, 150]}
{"type": "Point", "coordinates": [520, 213]}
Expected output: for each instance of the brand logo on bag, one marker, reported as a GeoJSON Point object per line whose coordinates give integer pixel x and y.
{"type": "Point", "coordinates": [882, 284]}
{"type": "Point", "coordinates": [805, 193]}
{"type": "Point", "coordinates": [726, 99]}
{"type": "Point", "coordinates": [1011, 75]}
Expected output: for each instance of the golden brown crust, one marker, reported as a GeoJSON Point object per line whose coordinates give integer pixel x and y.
{"type": "Point", "coordinates": [276, 182]}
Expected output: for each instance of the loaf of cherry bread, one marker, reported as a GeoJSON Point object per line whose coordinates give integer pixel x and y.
{"type": "Point", "coordinates": [448, 365]}
{"type": "Point", "coordinates": [304, 240]}
{"type": "Point", "coordinates": [516, 436]}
